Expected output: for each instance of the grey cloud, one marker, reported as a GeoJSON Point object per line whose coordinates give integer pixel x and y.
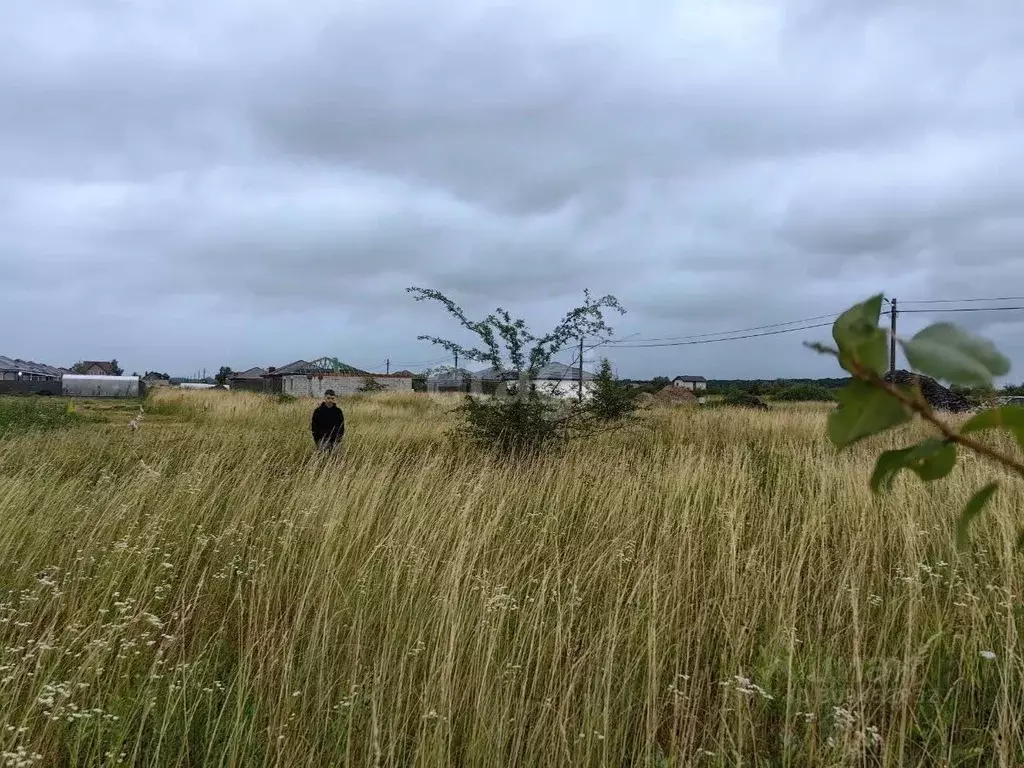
{"type": "Point", "coordinates": [241, 179]}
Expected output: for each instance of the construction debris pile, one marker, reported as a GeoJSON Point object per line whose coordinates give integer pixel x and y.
{"type": "Point", "coordinates": [672, 395]}
{"type": "Point", "coordinates": [936, 395]}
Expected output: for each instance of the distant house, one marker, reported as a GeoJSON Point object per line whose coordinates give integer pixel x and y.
{"type": "Point", "coordinates": [555, 379]}
{"type": "Point", "coordinates": [156, 380]}
{"type": "Point", "coordinates": [249, 381]}
{"type": "Point", "coordinates": [692, 383]}
{"type": "Point", "coordinates": [449, 380]}
{"type": "Point", "coordinates": [15, 369]}
{"type": "Point", "coordinates": [311, 379]}
{"type": "Point", "coordinates": [27, 377]}
{"type": "Point", "coordinates": [97, 368]}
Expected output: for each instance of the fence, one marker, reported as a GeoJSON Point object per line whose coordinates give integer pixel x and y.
{"type": "Point", "coordinates": [8, 387]}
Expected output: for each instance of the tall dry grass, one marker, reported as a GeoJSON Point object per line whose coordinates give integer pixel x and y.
{"type": "Point", "coordinates": [718, 589]}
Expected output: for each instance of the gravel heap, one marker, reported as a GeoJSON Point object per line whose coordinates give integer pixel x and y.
{"type": "Point", "coordinates": [936, 395]}
{"type": "Point", "coordinates": [672, 395]}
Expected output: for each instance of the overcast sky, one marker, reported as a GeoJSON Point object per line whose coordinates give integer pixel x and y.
{"type": "Point", "coordinates": [190, 184]}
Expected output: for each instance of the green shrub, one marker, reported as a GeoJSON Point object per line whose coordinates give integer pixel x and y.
{"type": "Point", "coordinates": [29, 414]}
{"type": "Point", "coordinates": [804, 393]}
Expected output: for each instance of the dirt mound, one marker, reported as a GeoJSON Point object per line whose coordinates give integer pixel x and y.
{"type": "Point", "coordinates": [671, 395]}
{"type": "Point", "coordinates": [936, 395]}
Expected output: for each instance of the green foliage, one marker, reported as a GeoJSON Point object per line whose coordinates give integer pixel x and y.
{"type": "Point", "coordinates": [660, 382]}
{"type": "Point", "coordinates": [520, 419]}
{"type": "Point", "coordinates": [223, 375]}
{"type": "Point", "coordinates": [19, 415]}
{"type": "Point", "coordinates": [284, 398]}
{"type": "Point", "coordinates": [930, 459]}
{"type": "Point", "coordinates": [945, 351]}
{"type": "Point", "coordinates": [861, 342]}
{"type": "Point", "coordinates": [514, 425]}
{"type": "Point", "coordinates": [737, 398]}
{"type": "Point", "coordinates": [611, 400]}
{"type": "Point", "coordinates": [805, 393]}
{"type": "Point", "coordinates": [370, 384]}
{"type": "Point", "coordinates": [869, 405]}
{"type": "Point", "coordinates": [1009, 417]}
{"type": "Point", "coordinates": [863, 411]}
{"type": "Point", "coordinates": [526, 354]}
{"type": "Point", "coordinates": [972, 510]}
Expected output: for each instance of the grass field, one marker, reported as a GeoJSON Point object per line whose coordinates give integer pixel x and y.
{"type": "Point", "coordinates": [719, 588]}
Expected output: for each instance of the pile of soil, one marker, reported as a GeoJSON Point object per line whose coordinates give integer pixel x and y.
{"type": "Point", "coordinates": [646, 400]}
{"type": "Point", "coordinates": [671, 395]}
{"type": "Point", "coordinates": [936, 395]}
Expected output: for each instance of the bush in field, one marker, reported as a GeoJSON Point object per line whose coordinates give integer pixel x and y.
{"type": "Point", "coordinates": [370, 384]}
{"type": "Point", "coordinates": [737, 398]}
{"type": "Point", "coordinates": [520, 418]}
{"type": "Point", "coordinates": [30, 414]}
{"type": "Point", "coordinates": [612, 401]}
{"type": "Point", "coordinates": [805, 393]}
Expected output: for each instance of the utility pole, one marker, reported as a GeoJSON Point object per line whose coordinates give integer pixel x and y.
{"type": "Point", "coordinates": [581, 370]}
{"type": "Point", "coordinates": [456, 361]}
{"type": "Point", "coordinates": [389, 366]}
{"type": "Point", "coordinates": [892, 336]}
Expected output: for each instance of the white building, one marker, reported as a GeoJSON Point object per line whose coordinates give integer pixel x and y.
{"type": "Point", "coordinates": [554, 379]}
{"type": "Point", "coordinates": [75, 385]}
{"type": "Point", "coordinates": [692, 383]}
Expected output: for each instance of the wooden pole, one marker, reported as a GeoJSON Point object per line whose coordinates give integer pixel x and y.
{"type": "Point", "coordinates": [581, 371]}
{"type": "Point", "coordinates": [892, 337]}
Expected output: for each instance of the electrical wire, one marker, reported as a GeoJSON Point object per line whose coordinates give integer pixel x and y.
{"type": "Point", "coordinates": [963, 301]}
{"type": "Point", "coordinates": [738, 330]}
{"type": "Point", "coordinates": [730, 338]}
{"type": "Point", "coordinates": [703, 338]}
{"type": "Point", "coordinates": [958, 309]}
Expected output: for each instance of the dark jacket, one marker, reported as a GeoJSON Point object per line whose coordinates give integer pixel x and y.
{"type": "Point", "coordinates": [328, 424]}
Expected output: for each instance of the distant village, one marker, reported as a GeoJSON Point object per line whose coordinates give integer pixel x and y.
{"type": "Point", "coordinates": [300, 378]}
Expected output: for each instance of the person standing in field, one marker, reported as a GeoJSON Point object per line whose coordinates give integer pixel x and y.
{"type": "Point", "coordinates": [328, 424]}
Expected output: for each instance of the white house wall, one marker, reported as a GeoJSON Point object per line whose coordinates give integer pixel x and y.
{"type": "Point", "coordinates": [305, 386]}
{"type": "Point", "coordinates": [562, 388]}
{"type": "Point", "coordinates": [100, 386]}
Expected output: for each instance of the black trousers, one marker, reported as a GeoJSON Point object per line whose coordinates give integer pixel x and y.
{"type": "Point", "coordinates": [327, 444]}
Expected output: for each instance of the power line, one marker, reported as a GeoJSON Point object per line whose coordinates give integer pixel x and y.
{"type": "Point", "coordinates": [730, 338]}
{"type": "Point", "coordinates": [738, 330]}
{"type": "Point", "coordinates": [961, 309]}
{"type": "Point", "coordinates": [704, 338]}
{"type": "Point", "coordinates": [964, 301]}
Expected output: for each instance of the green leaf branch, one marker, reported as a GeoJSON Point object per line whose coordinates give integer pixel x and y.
{"type": "Point", "coordinates": [870, 405]}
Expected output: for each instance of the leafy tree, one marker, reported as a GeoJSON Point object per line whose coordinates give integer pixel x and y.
{"type": "Point", "coordinates": [79, 367]}
{"type": "Point", "coordinates": [370, 384]}
{"type": "Point", "coordinates": [611, 400]}
{"type": "Point", "coordinates": [116, 370]}
{"type": "Point", "coordinates": [660, 382]}
{"type": "Point", "coordinates": [521, 419]}
{"type": "Point", "coordinates": [869, 405]}
{"type": "Point", "coordinates": [223, 375]}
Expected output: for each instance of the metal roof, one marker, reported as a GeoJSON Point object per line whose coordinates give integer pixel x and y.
{"type": "Point", "coordinates": [252, 373]}
{"type": "Point", "coordinates": [28, 366]}
{"type": "Point", "coordinates": [550, 372]}
{"type": "Point", "coordinates": [323, 365]}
